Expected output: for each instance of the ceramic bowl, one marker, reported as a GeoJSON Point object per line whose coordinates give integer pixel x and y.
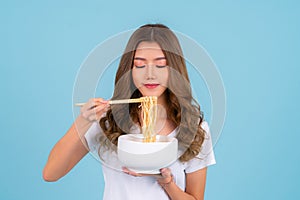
{"type": "Point", "coordinates": [142, 157]}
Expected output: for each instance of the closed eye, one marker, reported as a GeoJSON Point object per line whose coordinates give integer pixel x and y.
{"type": "Point", "coordinates": [141, 66]}
{"type": "Point", "coordinates": [161, 66]}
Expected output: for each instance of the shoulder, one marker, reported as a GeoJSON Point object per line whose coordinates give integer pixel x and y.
{"type": "Point", "coordinates": [92, 135]}
{"type": "Point", "coordinates": [206, 156]}
{"type": "Point", "coordinates": [205, 126]}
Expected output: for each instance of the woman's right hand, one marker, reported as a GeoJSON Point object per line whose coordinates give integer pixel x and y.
{"type": "Point", "coordinates": [94, 109]}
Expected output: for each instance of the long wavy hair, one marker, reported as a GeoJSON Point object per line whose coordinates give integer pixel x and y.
{"type": "Point", "coordinates": [182, 109]}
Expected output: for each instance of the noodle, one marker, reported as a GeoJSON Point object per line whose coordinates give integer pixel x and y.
{"type": "Point", "coordinates": [149, 112]}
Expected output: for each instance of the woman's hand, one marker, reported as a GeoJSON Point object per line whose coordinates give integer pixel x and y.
{"type": "Point", "coordinates": [132, 173]}
{"type": "Point", "coordinates": [166, 177]}
{"type": "Point", "coordinates": [94, 109]}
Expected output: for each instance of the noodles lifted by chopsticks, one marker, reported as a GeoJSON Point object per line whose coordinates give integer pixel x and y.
{"type": "Point", "coordinates": [149, 112]}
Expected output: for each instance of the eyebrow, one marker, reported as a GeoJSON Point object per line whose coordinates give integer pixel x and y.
{"type": "Point", "coordinates": [158, 58]}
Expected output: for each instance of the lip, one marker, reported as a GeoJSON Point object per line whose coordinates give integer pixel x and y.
{"type": "Point", "coordinates": [151, 85]}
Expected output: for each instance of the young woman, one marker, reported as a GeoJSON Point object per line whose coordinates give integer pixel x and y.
{"type": "Point", "coordinates": [152, 65]}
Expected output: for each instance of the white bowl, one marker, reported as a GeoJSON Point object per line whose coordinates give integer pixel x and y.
{"type": "Point", "coordinates": [144, 157]}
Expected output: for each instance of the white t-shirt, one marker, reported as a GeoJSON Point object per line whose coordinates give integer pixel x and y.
{"type": "Point", "coordinates": [121, 186]}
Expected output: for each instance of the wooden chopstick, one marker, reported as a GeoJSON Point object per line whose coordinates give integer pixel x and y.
{"type": "Point", "coordinates": [126, 101]}
{"type": "Point", "coordinates": [138, 100]}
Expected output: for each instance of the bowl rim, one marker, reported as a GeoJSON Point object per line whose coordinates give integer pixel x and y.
{"type": "Point", "coordinates": [137, 138]}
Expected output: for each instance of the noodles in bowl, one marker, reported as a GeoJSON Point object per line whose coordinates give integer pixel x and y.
{"type": "Point", "coordinates": [147, 152]}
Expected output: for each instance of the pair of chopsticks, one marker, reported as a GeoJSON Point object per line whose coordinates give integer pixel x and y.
{"type": "Point", "coordinates": [138, 100]}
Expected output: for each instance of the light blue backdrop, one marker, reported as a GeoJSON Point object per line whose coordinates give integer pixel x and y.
{"type": "Point", "coordinates": [255, 45]}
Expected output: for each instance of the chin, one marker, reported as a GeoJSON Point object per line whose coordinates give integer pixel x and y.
{"type": "Point", "coordinates": [157, 93]}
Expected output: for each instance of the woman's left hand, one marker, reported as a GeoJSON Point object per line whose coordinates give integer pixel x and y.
{"type": "Point", "coordinates": [166, 177]}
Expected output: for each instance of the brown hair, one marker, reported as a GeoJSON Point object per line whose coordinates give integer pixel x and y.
{"type": "Point", "coordinates": [182, 109]}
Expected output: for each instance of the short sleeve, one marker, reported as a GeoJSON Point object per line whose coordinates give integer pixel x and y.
{"type": "Point", "coordinates": [206, 156]}
{"type": "Point", "coordinates": [92, 136]}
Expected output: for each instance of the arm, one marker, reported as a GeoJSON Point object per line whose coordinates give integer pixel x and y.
{"type": "Point", "coordinates": [66, 153]}
{"type": "Point", "coordinates": [72, 147]}
{"type": "Point", "coordinates": [195, 185]}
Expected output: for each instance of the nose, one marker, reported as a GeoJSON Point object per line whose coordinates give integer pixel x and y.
{"type": "Point", "coordinates": [150, 74]}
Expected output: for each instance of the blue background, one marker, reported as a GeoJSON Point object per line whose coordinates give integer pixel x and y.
{"type": "Point", "coordinates": [255, 45]}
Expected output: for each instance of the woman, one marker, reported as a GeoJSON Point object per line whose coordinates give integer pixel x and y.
{"type": "Point", "coordinates": [152, 65]}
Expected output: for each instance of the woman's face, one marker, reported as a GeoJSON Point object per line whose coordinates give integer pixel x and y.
{"type": "Point", "coordinates": [150, 71]}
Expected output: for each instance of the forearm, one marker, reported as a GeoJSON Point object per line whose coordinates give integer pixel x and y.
{"type": "Point", "coordinates": [67, 152]}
